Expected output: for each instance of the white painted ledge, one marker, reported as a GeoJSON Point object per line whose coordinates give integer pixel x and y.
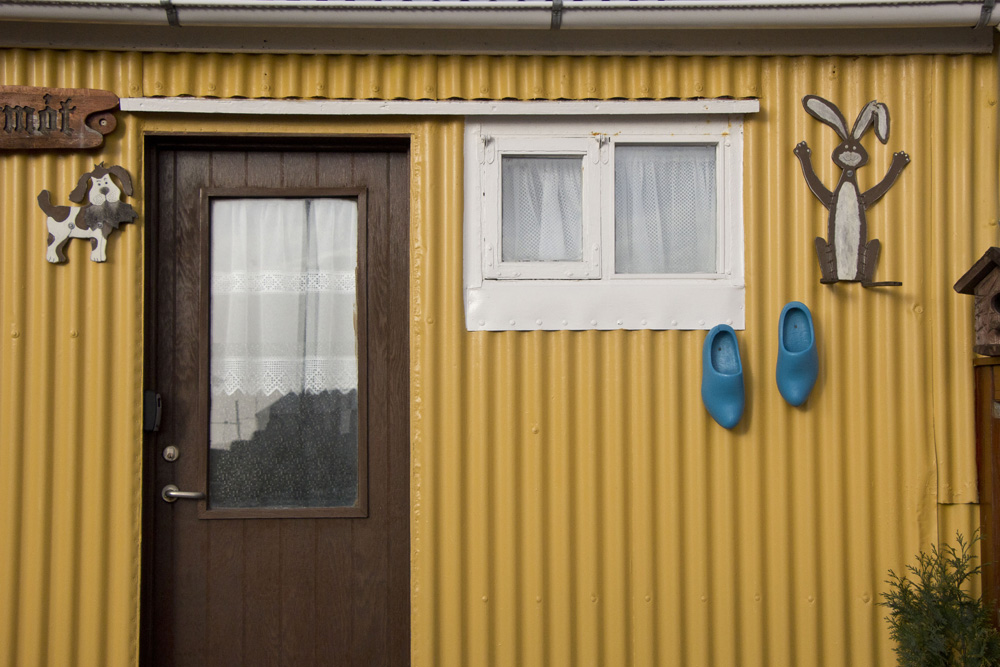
{"type": "Point", "coordinates": [315, 107]}
{"type": "Point", "coordinates": [556, 305]}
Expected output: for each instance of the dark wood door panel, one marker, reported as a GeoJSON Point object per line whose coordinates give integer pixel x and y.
{"type": "Point", "coordinates": [277, 591]}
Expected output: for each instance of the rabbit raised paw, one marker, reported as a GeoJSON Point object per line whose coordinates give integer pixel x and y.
{"type": "Point", "coordinates": [847, 254]}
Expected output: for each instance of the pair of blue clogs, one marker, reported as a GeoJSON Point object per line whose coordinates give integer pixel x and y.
{"type": "Point", "coordinates": [797, 369]}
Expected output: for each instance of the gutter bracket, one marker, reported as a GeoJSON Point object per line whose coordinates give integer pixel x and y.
{"type": "Point", "coordinates": [557, 11]}
{"type": "Point", "coordinates": [985, 14]}
{"type": "Point", "coordinates": [171, 10]}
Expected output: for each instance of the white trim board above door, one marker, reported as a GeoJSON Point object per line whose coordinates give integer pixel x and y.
{"type": "Point", "coordinates": [436, 107]}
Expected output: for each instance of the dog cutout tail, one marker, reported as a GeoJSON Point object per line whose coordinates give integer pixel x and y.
{"type": "Point", "coordinates": [57, 213]}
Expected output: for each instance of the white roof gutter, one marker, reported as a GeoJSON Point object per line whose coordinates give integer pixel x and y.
{"type": "Point", "coordinates": [514, 14]}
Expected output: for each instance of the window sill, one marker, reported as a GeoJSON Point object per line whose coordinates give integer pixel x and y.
{"type": "Point", "coordinates": [528, 305]}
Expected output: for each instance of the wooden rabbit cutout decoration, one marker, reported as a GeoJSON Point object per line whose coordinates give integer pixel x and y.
{"type": "Point", "coordinates": [846, 254]}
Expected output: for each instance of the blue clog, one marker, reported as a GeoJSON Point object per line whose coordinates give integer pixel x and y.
{"type": "Point", "coordinates": [798, 363]}
{"type": "Point", "coordinates": [722, 376]}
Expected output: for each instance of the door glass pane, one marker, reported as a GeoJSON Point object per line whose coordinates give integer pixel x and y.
{"type": "Point", "coordinates": [284, 365]}
{"type": "Point", "coordinates": [665, 209]}
{"type": "Point", "coordinates": [542, 209]}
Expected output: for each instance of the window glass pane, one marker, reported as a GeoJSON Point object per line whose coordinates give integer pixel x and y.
{"type": "Point", "coordinates": [542, 204]}
{"type": "Point", "coordinates": [665, 209]}
{"type": "Point", "coordinates": [284, 369]}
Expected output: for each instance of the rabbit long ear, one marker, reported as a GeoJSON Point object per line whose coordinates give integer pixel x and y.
{"type": "Point", "coordinates": [882, 122]}
{"type": "Point", "coordinates": [873, 112]}
{"type": "Point", "coordinates": [826, 112]}
{"type": "Point", "coordinates": [864, 120]}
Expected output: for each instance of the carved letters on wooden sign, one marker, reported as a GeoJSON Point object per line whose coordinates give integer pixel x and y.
{"type": "Point", "coordinates": [52, 118]}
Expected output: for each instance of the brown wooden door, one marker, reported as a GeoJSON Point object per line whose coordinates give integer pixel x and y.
{"type": "Point", "coordinates": [301, 556]}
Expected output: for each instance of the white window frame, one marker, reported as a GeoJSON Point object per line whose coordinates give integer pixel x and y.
{"type": "Point", "coordinates": [542, 296]}
{"type": "Point", "coordinates": [495, 149]}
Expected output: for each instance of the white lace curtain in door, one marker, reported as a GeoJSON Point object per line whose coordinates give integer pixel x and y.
{"type": "Point", "coordinates": [283, 296]}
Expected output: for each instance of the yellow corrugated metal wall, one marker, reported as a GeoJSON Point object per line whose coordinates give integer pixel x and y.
{"type": "Point", "coordinates": [70, 380]}
{"type": "Point", "coordinates": [572, 502]}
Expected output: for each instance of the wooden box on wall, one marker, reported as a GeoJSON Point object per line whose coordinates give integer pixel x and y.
{"type": "Point", "coordinates": [983, 281]}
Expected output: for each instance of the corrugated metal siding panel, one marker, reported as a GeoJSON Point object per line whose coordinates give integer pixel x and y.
{"type": "Point", "coordinates": [446, 77]}
{"type": "Point", "coordinates": [572, 503]}
{"type": "Point", "coordinates": [71, 364]}
{"type": "Point", "coordinates": [578, 505]}
{"type": "Point", "coordinates": [965, 113]}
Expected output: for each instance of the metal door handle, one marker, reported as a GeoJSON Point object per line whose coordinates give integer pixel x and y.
{"type": "Point", "coordinates": [171, 493]}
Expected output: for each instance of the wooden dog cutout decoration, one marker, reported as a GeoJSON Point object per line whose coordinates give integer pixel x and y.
{"type": "Point", "coordinates": [847, 254]}
{"type": "Point", "coordinates": [95, 220]}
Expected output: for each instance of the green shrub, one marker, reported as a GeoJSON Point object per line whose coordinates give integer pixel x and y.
{"type": "Point", "coordinates": [933, 619]}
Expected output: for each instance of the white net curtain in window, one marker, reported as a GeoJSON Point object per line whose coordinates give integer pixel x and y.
{"type": "Point", "coordinates": [283, 296]}
{"type": "Point", "coordinates": [665, 210]}
{"type": "Point", "coordinates": [542, 209]}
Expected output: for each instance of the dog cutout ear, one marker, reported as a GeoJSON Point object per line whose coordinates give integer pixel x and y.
{"type": "Point", "coordinates": [80, 191]}
{"type": "Point", "coordinates": [123, 176]}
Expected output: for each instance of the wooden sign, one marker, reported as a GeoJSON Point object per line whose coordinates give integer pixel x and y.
{"type": "Point", "coordinates": [55, 118]}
